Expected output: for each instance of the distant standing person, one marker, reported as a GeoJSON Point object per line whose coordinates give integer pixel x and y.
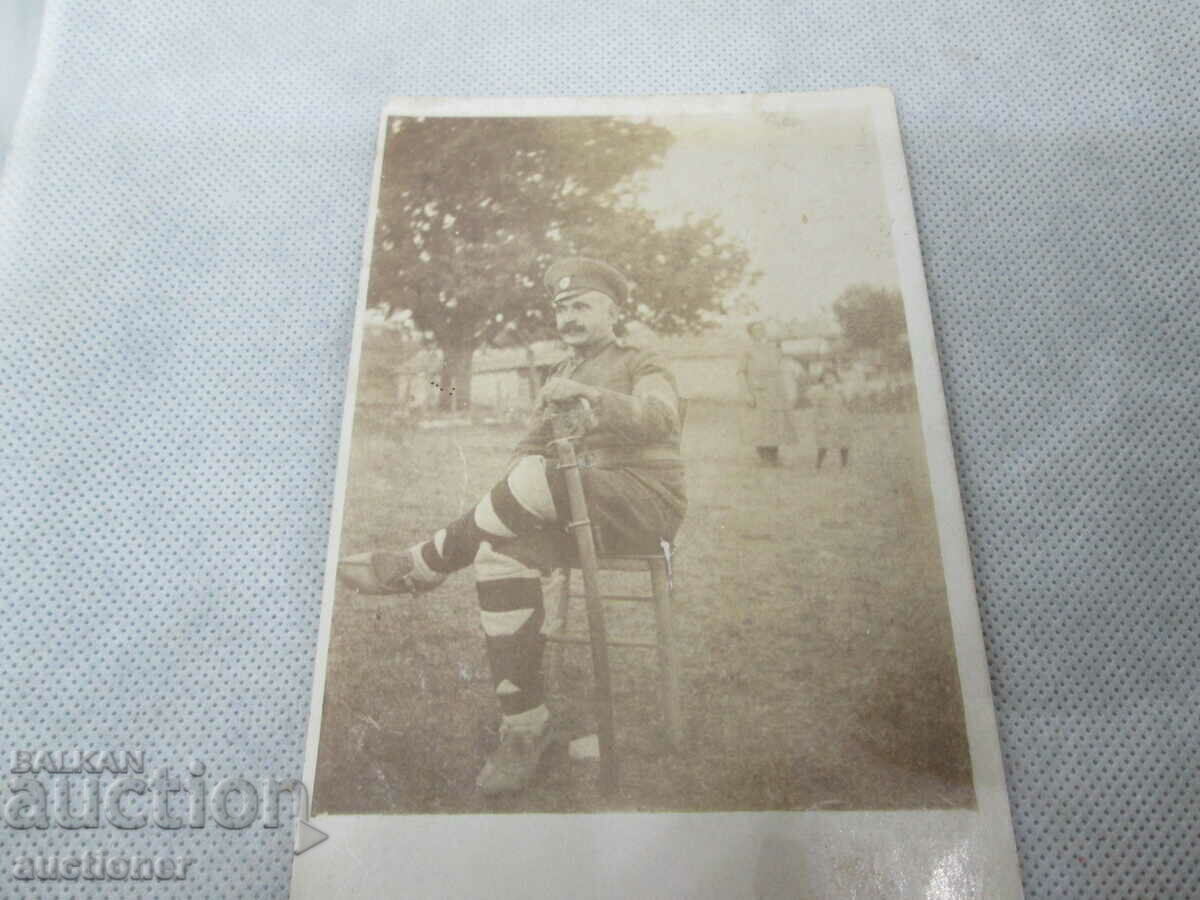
{"type": "Point", "coordinates": [831, 426]}
{"type": "Point", "coordinates": [767, 391]}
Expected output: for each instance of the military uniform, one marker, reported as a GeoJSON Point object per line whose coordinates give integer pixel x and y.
{"type": "Point", "coordinates": [630, 462]}
{"type": "Point", "coordinates": [634, 484]}
{"type": "Point", "coordinates": [633, 481]}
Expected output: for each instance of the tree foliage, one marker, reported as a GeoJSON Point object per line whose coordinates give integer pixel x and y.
{"type": "Point", "coordinates": [872, 321]}
{"type": "Point", "coordinates": [472, 210]}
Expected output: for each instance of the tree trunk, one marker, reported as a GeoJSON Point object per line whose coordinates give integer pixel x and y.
{"type": "Point", "coordinates": [456, 378]}
{"type": "Point", "coordinates": [533, 376]}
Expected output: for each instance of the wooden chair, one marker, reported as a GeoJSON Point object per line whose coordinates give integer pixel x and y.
{"type": "Point", "coordinates": [659, 568]}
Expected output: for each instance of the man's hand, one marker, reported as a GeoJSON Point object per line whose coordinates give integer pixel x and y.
{"type": "Point", "coordinates": [562, 390]}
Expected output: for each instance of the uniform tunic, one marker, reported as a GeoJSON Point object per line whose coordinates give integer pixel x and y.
{"type": "Point", "coordinates": [632, 471]}
{"type": "Point", "coordinates": [769, 422]}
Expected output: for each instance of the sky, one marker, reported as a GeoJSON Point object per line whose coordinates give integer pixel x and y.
{"type": "Point", "coordinates": [804, 195]}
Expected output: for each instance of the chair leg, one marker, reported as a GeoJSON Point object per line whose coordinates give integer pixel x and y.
{"type": "Point", "coordinates": [668, 659]}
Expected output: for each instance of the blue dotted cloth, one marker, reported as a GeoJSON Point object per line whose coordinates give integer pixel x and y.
{"type": "Point", "coordinates": [180, 234]}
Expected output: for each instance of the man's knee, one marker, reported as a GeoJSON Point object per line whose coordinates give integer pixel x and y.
{"type": "Point", "coordinates": [510, 594]}
{"type": "Point", "coordinates": [520, 504]}
{"type": "Point", "coordinates": [529, 486]}
{"type": "Point", "coordinates": [493, 566]}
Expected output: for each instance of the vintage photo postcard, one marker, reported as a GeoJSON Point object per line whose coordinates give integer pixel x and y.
{"type": "Point", "coordinates": [647, 571]}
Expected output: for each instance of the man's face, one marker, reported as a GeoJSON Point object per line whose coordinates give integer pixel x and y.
{"type": "Point", "coordinates": [584, 320]}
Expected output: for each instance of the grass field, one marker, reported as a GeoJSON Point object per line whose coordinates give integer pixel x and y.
{"type": "Point", "coordinates": [818, 663]}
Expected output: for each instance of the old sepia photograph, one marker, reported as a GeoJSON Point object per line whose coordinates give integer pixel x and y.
{"type": "Point", "coordinates": [637, 510]}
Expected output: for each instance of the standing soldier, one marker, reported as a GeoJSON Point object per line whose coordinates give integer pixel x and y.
{"type": "Point", "coordinates": [634, 483]}
{"type": "Point", "coordinates": [768, 392]}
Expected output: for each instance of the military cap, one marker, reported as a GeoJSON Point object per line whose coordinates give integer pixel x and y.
{"type": "Point", "coordinates": [576, 275]}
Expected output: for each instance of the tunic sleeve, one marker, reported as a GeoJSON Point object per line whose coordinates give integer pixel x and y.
{"type": "Point", "coordinates": [651, 413]}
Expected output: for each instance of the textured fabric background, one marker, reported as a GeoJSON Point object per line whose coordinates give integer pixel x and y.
{"type": "Point", "coordinates": [20, 24]}
{"type": "Point", "coordinates": [180, 231]}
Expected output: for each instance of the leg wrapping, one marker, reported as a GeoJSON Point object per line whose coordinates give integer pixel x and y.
{"type": "Point", "coordinates": [512, 612]}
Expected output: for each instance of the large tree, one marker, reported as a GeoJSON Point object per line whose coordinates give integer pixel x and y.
{"type": "Point", "coordinates": [872, 321]}
{"type": "Point", "coordinates": [471, 210]}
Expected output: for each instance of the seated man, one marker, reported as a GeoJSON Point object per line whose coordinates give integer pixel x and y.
{"type": "Point", "coordinates": [633, 480]}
